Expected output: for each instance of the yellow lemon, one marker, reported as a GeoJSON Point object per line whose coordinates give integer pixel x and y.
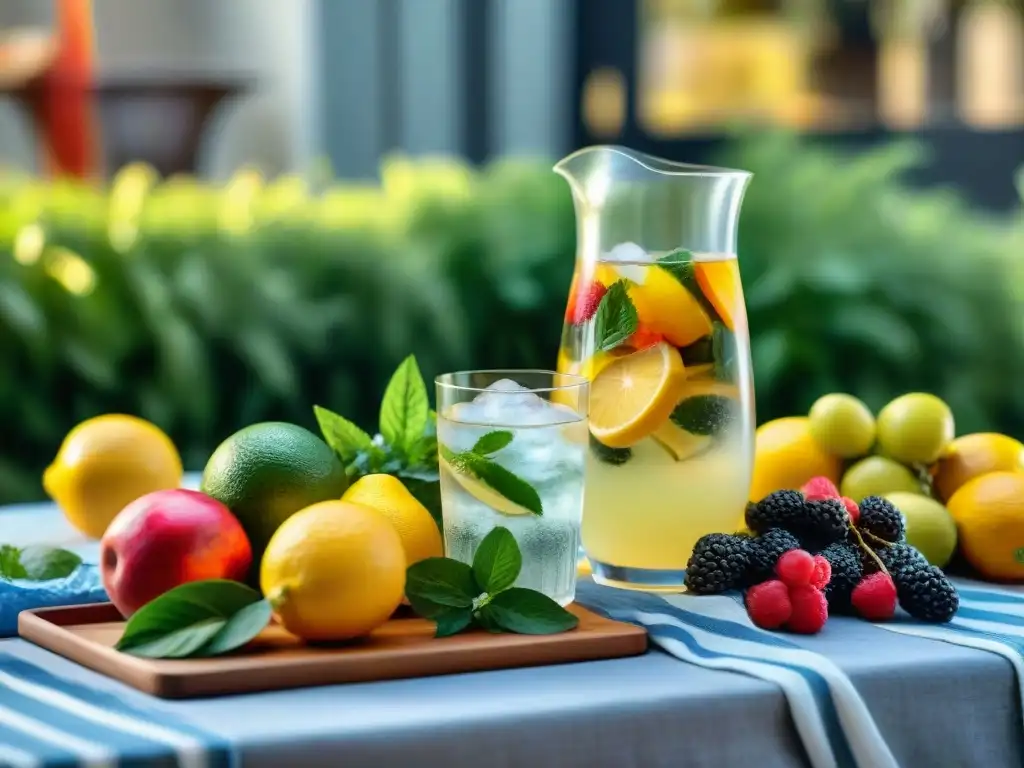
{"type": "Point", "coordinates": [989, 515]}
{"type": "Point", "coordinates": [974, 455]}
{"type": "Point", "coordinates": [334, 571]}
{"type": "Point", "coordinates": [666, 307]}
{"type": "Point", "coordinates": [416, 528]}
{"type": "Point", "coordinates": [104, 464]}
{"type": "Point", "coordinates": [786, 456]}
{"type": "Point", "coordinates": [635, 395]}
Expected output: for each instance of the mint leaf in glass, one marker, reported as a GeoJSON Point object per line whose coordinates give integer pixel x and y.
{"type": "Point", "coordinates": [345, 438]}
{"type": "Point", "coordinates": [704, 414]}
{"type": "Point", "coordinates": [501, 480]}
{"type": "Point", "coordinates": [614, 456]}
{"type": "Point", "coordinates": [616, 319]}
{"type": "Point", "coordinates": [724, 343]}
{"type": "Point", "coordinates": [497, 561]}
{"type": "Point", "coordinates": [527, 612]}
{"type": "Point", "coordinates": [198, 618]}
{"type": "Point", "coordinates": [37, 563]}
{"type": "Point", "coordinates": [405, 411]}
{"type": "Point", "coordinates": [492, 442]}
{"type": "Point", "coordinates": [437, 584]}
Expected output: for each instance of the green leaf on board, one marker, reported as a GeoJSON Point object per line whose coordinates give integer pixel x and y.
{"type": "Point", "coordinates": [345, 438]}
{"type": "Point", "coordinates": [197, 618]}
{"type": "Point", "coordinates": [616, 319]}
{"type": "Point", "coordinates": [527, 612]}
{"type": "Point", "coordinates": [453, 621]}
{"type": "Point", "coordinates": [438, 584]}
{"type": "Point", "coordinates": [497, 561]}
{"type": "Point", "coordinates": [492, 442]}
{"type": "Point", "coordinates": [405, 411]}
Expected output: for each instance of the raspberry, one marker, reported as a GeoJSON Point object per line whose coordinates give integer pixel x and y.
{"type": "Point", "coordinates": [874, 597]}
{"type": "Point", "coordinates": [820, 487]}
{"type": "Point", "coordinates": [583, 304]}
{"type": "Point", "coordinates": [810, 610]}
{"type": "Point", "coordinates": [795, 568]}
{"type": "Point", "coordinates": [822, 572]}
{"type": "Point", "coordinates": [851, 509]}
{"type": "Point", "coordinates": [768, 604]}
{"type": "Point", "coordinates": [643, 337]}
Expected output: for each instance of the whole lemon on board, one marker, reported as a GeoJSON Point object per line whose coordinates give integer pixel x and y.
{"type": "Point", "coordinates": [931, 530]}
{"type": "Point", "coordinates": [786, 456]}
{"type": "Point", "coordinates": [974, 455]}
{"type": "Point", "coordinates": [915, 428]}
{"type": "Point", "coordinates": [989, 515]}
{"type": "Point", "coordinates": [104, 464]}
{"type": "Point", "coordinates": [416, 528]}
{"type": "Point", "coordinates": [334, 571]}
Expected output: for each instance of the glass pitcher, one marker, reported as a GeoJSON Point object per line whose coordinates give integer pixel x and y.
{"type": "Point", "coordinates": [656, 320]}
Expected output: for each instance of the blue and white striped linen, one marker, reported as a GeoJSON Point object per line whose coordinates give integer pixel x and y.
{"type": "Point", "coordinates": [46, 720]}
{"type": "Point", "coordinates": [831, 718]}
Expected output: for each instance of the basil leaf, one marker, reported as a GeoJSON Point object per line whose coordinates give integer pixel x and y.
{"type": "Point", "coordinates": [242, 627]}
{"type": "Point", "coordinates": [453, 621]}
{"type": "Point", "coordinates": [508, 484]}
{"type": "Point", "coordinates": [439, 583]}
{"type": "Point", "coordinates": [404, 411]}
{"type": "Point", "coordinates": [527, 612]}
{"type": "Point", "coordinates": [492, 442]}
{"type": "Point", "coordinates": [344, 437]}
{"type": "Point", "coordinates": [497, 561]}
{"type": "Point", "coordinates": [616, 319]}
{"type": "Point", "coordinates": [37, 563]}
{"type": "Point", "coordinates": [179, 643]}
{"type": "Point", "coordinates": [190, 608]}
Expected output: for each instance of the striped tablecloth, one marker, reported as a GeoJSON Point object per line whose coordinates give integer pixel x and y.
{"type": "Point", "coordinates": [716, 691]}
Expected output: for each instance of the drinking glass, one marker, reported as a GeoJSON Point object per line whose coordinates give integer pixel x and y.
{"type": "Point", "coordinates": [512, 448]}
{"type": "Point", "coordinates": [656, 321]}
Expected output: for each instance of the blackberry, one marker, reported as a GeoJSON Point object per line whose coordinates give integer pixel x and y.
{"type": "Point", "coordinates": [719, 562]}
{"type": "Point", "coordinates": [896, 557]}
{"type": "Point", "coordinates": [846, 574]}
{"type": "Point", "coordinates": [826, 521]}
{"type": "Point", "coordinates": [765, 551]}
{"type": "Point", "coordinates": [926, 593]}
{"type": "Point", "coordinates": [781, 509]}
{"type": "Point", "coordinates": [882, 519]}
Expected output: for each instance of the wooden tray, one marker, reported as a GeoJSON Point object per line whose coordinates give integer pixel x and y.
{"type": "Point", "coordinates": [403, 647]}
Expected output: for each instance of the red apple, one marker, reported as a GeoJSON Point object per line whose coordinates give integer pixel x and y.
{"type": "Point", "coordinates": [165, 539]}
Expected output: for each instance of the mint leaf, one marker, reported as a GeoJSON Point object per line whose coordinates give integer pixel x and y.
{"type": "Point", "coordinates": [404, 411]}
{"type": "Point", "coordinates": [724, 342]}
{"type": "Point", "coordinates": [527, 612]}
{"type": "Point", "coordinates": [453, 621]}
{"type": "Point", "coordinates": [508, 484]}
{"type": "Point", "coordinates": [437, 584]}
{"type": "Point", "coordinates": [344, 437]}
{"type": "Point", "coordinates": [679, 264]}
{"type": "Point", "coordinates": [614, 456]}
{"type": "Point", "coordinates": [182, 621]}
{"type": "Point", "coordinates": [616, 319]}
{"type": "Point", "coordinates": [702, 351]}
{"type": "Point", "coordinates": [497, 561]}
{"type": "Point", "coordinates": [492, 442]}
{"type": "Point", "coordinates": [426, 489]}
{"type": "Point", "coordinates": [704, 414]}
{"type": "Point", "coordinates": [242, 627]}
{"type": "Point", "coordinates": [37, 563]}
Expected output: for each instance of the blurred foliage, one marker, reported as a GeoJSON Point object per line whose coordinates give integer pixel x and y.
{"type": "Point", "coordinates": [207, 308]}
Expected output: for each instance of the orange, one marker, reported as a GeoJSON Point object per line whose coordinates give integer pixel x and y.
{"type": "Point", "coordinates": [634, 395]}
{"type": "Point", "coordinates": [974, 455]}
{"type": "Point", "coordinates": [720, 282]}
{"type": "Point", "coordinates": [333, 571]}
{"type": "Point", "coordinates": [989, 516]}
{"type": "Point", "coordinates": [786, 456]}
{"type": "Point", "coordinates": [104, 464]}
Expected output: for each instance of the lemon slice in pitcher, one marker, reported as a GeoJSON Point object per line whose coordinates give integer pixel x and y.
{"type": "Point", "coordinates": [635, 395]}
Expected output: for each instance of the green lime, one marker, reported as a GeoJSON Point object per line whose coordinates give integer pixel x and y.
{"type": "Point", "coordinates": [915, 428]}
{"type": "Point", "coordinates": [842, 425]}
{"type": "Point", "coordinates": [267, 472]}
{"type": "Point", "coordinates": [930, 528]}
{"type": "Point", "coordinates": [877, 476]}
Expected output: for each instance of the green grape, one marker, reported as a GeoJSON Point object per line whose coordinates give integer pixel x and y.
{"type": "Point", "coordinates": [877, 476]}
{"type": "Point", "coordinates": [842, 425]}
{"type": "Point", "coordinates": [915, 428]}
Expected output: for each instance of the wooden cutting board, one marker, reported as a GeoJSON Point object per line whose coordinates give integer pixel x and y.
{"type": "Point", "coordinates": [403, 647]}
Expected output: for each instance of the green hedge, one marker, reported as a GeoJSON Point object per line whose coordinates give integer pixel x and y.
{"type": "Point", "coordinates": [205, 309]}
